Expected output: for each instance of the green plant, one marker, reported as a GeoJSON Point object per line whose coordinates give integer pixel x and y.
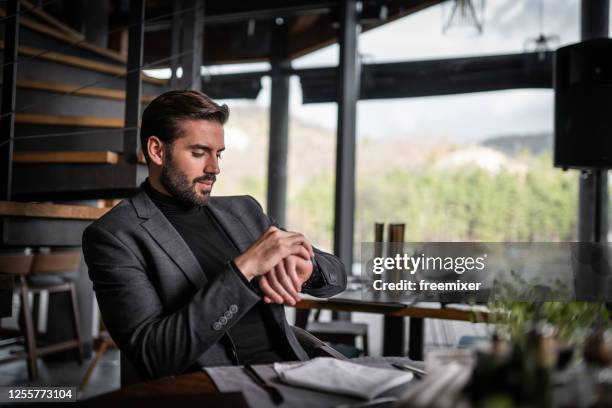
{"type": "Point", "coordinates": [513, 318]}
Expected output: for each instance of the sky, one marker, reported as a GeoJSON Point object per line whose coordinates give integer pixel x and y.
{"type": "Point", "coordinates": [508, 26]}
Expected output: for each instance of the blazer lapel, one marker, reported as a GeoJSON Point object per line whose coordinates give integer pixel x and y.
{"type": "Point", "coordinates": [240, 235]}
{"type": "Point", "coordinates": [168, 238]}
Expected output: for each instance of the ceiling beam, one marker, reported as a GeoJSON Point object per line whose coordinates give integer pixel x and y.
{"type": "Point", "coordinates": [404, 79]}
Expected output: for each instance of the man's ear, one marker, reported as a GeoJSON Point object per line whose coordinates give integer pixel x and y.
{"type": "Point", "coordinates": [155, 148]}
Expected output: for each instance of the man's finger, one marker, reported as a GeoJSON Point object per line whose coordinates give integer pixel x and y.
{"type": "Point", "coordinates": [268, 291]}
{"type": "Point", "coordinates": [303, 253]}
{"type": "Point", "coordinates": [278, 288]}
{"type": "Point", "coordinates": [282, 277]}
{"type": "Point", "coordinates": [290, 265]}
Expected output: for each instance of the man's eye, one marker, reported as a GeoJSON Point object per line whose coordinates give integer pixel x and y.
{"type": "Point", "coordinates": [219, 156]}
{"type": "Point", "coordinates": [197, 154]}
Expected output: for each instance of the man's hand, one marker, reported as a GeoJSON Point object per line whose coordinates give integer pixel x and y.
{"type": "Point", "coordinates": [284, 282]}
{"type": "Point", "coordinates": [270, 249]}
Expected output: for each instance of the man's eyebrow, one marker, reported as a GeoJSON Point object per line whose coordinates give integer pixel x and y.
{"type": "Point", "coordinates": [204, 147]}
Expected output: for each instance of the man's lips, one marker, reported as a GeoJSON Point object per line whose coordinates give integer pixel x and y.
{"type": "Point", "coordinates": [206, 183]}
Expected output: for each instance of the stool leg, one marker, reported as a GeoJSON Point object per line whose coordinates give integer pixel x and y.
{"type": "Point", "coordinates": [101, 350]}
{"type": "Point", "coordinates": [365, 345]}
{"type": "Point", "coordinates": [75, 321]}
{"type": "Point", "coordinates": [30, 335]}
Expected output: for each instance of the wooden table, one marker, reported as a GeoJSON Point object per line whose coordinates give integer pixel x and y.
{"type": "Point", "coordinates": [194, 389]}
{"type": "Point", "coordinates": [394, 313]}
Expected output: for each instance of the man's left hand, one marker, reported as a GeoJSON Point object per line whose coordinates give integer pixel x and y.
{"type": "Point", "coordinates": [284, 282]}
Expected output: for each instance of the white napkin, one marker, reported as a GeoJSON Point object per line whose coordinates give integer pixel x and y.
{"type": "Point", "coordinates": [341, 377]}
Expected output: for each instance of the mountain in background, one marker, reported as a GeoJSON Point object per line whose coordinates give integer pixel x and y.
{"type": "Point", "coordinates": [312, 151]}
{"type": "Point", "coordinates": [513, 145]}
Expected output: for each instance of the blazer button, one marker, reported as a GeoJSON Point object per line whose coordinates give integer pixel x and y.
{"type": "Point", "coordinates": [217, 326]}
{"type": "Point", "coordinates": [233, 309]}
{"type": "Point", "coordinates": [228, 315]}
{"type": "Point", "coordinates": [222, 320]}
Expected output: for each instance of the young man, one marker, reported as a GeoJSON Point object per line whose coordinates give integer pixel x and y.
{"type": "Point", "coordinates": [186, 280]}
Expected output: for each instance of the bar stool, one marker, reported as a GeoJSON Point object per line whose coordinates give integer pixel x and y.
{"type": "Point", "coordinates": [20, 265]}
{"type": "Point", "coordinates": [43, 274]}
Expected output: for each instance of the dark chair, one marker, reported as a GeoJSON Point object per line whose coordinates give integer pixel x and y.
{"type": "Point", "coordinates": [36, 273]}
{"type": "Point", "coordinates": [312, 345]}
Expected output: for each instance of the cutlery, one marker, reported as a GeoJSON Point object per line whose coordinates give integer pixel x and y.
{"type": "Point", "coordinates": [405, 367]}
{"type": "Point", "coordinates": [376, 402]}
{"type": "Point", "coordinates": [273, 392]}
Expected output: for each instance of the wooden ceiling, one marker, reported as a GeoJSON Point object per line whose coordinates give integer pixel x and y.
{"type": "Point", "coordinates": [238, 31]}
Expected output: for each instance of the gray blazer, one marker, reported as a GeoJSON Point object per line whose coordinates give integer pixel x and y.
{"type": "Point", "coordinates": [155, 300]}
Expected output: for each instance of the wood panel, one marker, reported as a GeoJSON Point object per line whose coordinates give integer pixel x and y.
{"type": "Point", "coordinates": [59, 120]}
{"type": "Point", "coordinates": [80, 62]}
{"type": "Point", "coordinates": [39, 210]}
{"type": "Point", "coordinates": [68, 39]}
{"type": "Point", "coordinates": [107, 93]}
{"type": "Point", "coordinates": [101, 157]}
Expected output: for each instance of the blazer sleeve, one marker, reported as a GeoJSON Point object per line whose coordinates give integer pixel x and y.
{"type": "Point", "coordinates": [329, 274]}
{"type": "Point", "coordinates": [158, 342]}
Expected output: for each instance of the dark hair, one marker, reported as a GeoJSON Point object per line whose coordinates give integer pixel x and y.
{"type": "Point", "coordinates": [163, 116]}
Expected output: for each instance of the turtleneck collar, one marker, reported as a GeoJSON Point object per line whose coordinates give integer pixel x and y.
{"type": "Point", "coordinates": [169, 204]}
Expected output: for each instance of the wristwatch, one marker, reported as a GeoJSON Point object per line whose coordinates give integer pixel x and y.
{"type": "Point", "coordinates": [315, 278]}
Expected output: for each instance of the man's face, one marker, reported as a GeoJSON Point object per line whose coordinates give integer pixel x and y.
{"type": "Point", "coordinates": [192, 161]}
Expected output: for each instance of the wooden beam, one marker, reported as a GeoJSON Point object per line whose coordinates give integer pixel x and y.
{"type": "Point", "coordinates": [91, 157]}
{"type": "Point", "coordinates": [107, 93]}
{"type": "Point", "coordinates": [37, 210]}
{"type": "Point", "coordinates": [79, 62]}
{"type": "Point", "coordinates": [435, 77]}
{"type": "Point", "coordinates": [59, 120]}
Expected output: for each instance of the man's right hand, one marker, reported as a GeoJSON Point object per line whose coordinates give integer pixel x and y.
{"type": "Point", "coordinates": [270, 249]}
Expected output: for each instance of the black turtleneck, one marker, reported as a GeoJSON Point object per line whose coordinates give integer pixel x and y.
{"type": "Point", "coordinates": [255, 333]}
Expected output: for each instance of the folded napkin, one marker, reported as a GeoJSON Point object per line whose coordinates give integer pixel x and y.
{"type": "Point", "coordinates": [341, 377]}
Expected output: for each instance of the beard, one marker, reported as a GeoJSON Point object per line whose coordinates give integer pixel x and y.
{"type": "Point", "coordinates": [178, 185]}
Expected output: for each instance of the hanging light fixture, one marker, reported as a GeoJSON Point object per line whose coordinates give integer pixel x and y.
{"type": "Point", "coordinates": [464, 18]}
{"type": "Point", "coordinates": [542, 42]}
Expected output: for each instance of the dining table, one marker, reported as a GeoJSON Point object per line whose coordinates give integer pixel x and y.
{"type": "Point", "coordinates": [394, 309]}
{"type": "Point", "coordinates": [231, 387]}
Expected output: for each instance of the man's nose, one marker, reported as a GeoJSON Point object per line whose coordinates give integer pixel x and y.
{"type": "Point", "coordinates": [212, 166]}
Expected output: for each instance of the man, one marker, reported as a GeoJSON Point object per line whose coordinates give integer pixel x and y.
{"type": "Point", "coordinates": [185, 280]}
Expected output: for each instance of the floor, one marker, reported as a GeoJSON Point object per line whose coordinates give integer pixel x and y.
{"type": "Point", "coordinates": [105, 377]}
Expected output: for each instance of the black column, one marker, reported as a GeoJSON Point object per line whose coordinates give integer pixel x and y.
{"type": "Point", "coordinates": [95, 22]}
{"type": "Point", "coordinates": [279, 126]}
{"type": "Point", "coordinates": [175, 41]}
{"type": "Point", "coordinates": [133, 84]}
{"type": "Point", "coordinates": [593, 188]}
{"type": "Point", "coordinates": [348, 93]}
{"type": "Point", "coordinates": [7, 109]}
{"type": "Point", "coordinates": [192, 44]}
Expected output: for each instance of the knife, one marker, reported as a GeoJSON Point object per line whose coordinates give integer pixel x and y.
{"type": "Point", "coordinates": [273, 392]}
